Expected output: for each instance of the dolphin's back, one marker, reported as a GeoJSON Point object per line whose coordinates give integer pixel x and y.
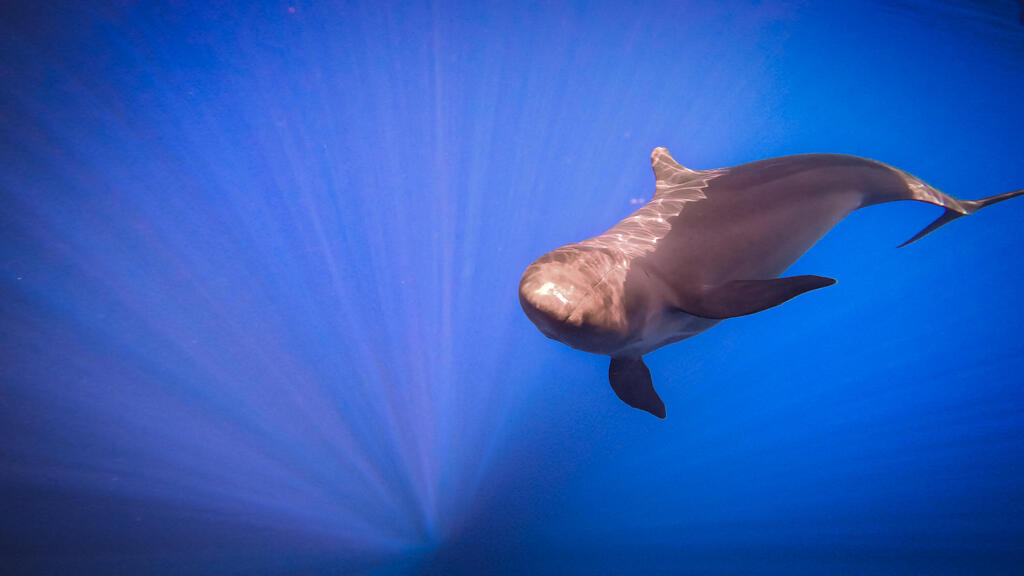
{"type": "Point", "coordinates": [757, 219]}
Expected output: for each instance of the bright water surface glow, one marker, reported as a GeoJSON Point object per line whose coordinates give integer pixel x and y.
{"type": "Point", "coordinates": [258, 275]}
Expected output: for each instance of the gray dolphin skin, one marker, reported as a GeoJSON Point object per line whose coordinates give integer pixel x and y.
{"type": "Point", "coordinates": [710, 245]}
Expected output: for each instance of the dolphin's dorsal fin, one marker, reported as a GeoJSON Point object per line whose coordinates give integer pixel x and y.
{"type": "Point", "coordinates": [665, 167]}
{"type": "Point", "coordinates": [742, 297]}
{"type": "Point", "coordinates": [631, 381]}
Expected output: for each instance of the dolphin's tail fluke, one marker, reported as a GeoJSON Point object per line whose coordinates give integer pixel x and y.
{"type": "Point", "coordinates": [968, 207]}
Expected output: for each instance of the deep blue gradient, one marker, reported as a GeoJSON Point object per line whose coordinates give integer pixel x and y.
{"type": "Point", "coordinates": [258, 307]}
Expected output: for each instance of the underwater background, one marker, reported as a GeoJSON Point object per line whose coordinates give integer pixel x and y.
{"type": "Point", "coordinates": [259, 312]}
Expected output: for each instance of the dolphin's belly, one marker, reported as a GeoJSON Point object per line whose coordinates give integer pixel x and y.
{"type": "Point", "coordinates": [665, 328]}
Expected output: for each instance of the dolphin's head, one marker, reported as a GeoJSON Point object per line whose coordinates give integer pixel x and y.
{"type": "Point", "coordinates": [574, 295]}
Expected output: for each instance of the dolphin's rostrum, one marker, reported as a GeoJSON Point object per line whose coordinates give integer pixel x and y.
{"type": "Point", "coordinates": [710, 245]}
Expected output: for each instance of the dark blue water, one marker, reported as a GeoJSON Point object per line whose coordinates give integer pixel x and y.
{"type": "Point", "coordinates": [258, 309]}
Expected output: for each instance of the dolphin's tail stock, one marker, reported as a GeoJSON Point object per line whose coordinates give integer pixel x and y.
{"type": "Point", "coordinates": [960, 208]}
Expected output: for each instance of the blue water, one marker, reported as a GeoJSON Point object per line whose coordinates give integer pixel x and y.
{"type": "Point", "coordinates": [258, 309]}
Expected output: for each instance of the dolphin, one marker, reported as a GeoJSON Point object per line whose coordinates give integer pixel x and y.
{"type": "Point", "coordinates": [710, 245]}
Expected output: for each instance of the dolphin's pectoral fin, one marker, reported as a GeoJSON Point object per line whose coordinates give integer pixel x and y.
{"type": "Point", "coordinates": [742, 297]}
{"type": "Point", "coordinates": [631, 381]}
